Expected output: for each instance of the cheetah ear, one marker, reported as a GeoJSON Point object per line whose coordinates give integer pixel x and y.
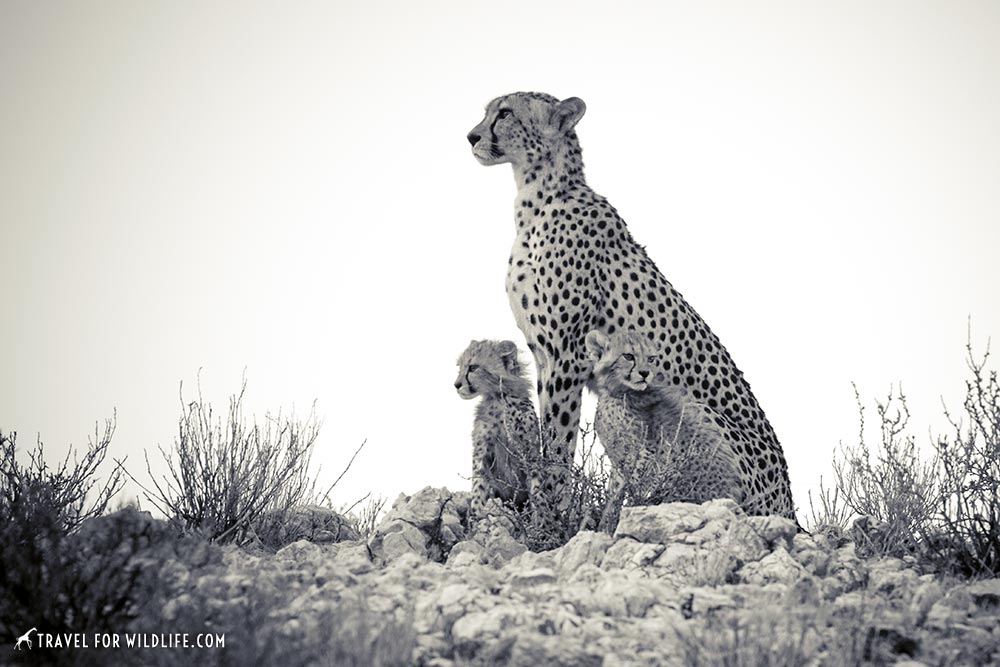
{"type": "Point", "coordinates": [596, 343]}
{"type": "Point", "coordinates": [508, 353]}
{"type": "Point", "coordinates": [568, 113]}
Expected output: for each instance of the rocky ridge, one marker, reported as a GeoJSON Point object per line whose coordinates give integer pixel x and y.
{"type": "Point", "coordinates": [677, 584]}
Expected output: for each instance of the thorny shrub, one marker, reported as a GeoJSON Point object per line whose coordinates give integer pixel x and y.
{"type": "Point", "coordinates": [226, 477]}
{"type": "Point", "coordinates": [889, 482]}
{"type": "Point", "coordinates": [969, 509]}
{"type": "Point", "coordinates": [539, 525]}
{"type": "Point", "coordinates": [945, 510]}
{"type": "Point", "coordinates": [41, 510]}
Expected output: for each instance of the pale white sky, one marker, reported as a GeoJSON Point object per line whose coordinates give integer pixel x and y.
{"type": "Point", "coordinates": [287, 188]}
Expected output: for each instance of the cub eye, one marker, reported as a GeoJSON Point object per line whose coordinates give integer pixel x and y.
{"type": "Point", "coordinates": [503, 113]}
{"type": "Point", "coordinates": [473, 368]}
{"type": "Point", "coordinates": [628, 356]}
{"type": "Point", "coordinates": [653, 359]}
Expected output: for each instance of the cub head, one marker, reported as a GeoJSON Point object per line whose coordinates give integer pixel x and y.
{"type": "Point", "coordinates": [623, 360]}
{"type": "Point", "coordinates": [520, 127]}
{"type": "Point", "coordinates": [484, 365]}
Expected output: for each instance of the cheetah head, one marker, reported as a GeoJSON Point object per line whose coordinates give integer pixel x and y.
{"type": "Point", "coordinates": [484, 365]}
{"type": "Point", "coordinates": [624, 360]}
{"type": "Point", "coordinates": [521, 127]}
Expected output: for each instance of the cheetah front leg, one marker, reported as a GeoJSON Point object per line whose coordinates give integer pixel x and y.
{"type": "Point", "coordinates": [615, 499]}
{"type": "Point", "coordinates": [481, 464]}
{"type": "Point", "coordinates": [560, 387]}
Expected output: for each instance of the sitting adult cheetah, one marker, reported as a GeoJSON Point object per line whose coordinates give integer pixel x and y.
{"type": "Point", "coordinates": [664, 446]}
{"type": "Point", "coordinates": [505, 434]}
{"type": "Point", "coordinates": [574, 267]}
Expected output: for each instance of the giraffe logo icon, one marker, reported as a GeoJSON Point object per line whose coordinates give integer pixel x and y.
{"type": "Point", "coordinates": [24, 639]}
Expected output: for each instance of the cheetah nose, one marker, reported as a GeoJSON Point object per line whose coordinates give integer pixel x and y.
{"type": "Point", "coordinates": [473, 138]}
{"type": "Point", "coordinates": [458, 385]}
{"type": "Point", "coordinates": [643, 374]}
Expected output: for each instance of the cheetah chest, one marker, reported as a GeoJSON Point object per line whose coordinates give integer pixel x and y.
{"type": "Point", "coordinates": [546, 282]}
{"type": "Point", "coordinates": [521, 284]}
{"type": "Point", "coordinates": [626, 431]}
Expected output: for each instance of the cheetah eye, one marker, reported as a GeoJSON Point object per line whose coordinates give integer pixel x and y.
{"type": "Point", "coordinates": [473, 368]}
{"type": "Point", "coordinates": [628, 356]}
{"type": "Point", "coordinates": [653, 359]}
{"type": "Point", "coordinates": [503, 113]}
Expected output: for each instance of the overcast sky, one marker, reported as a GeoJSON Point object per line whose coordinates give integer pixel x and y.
{"type": "Point", "coordinates": [287, 189]}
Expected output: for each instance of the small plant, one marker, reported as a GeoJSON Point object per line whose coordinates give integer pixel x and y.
{"type": "Point", "coordinates": [832, 512]}
{"type": "Point", "coordinates": [590, 496]}
{"type": "Point", "coordinates": [224, 477]}
{"type": "Point", "coordinates": [366, 519]}
{"type": "Point", "coordinates": [776, 635]}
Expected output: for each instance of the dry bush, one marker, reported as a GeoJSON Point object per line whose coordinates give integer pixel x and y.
{"type": "Point", "coordinates": [590, 493]}
{"type": "Point", "coordinates": [889, 481]}
{"type": "Point", "coordinates": [968, 510]}
{"type": "Point", "coordinates": [542, 525]}
{"type": "Point", "coordinates": [946, 509]}
{"type": "Point", "coordinates": [41, 509]}
{"type": "Point", "coordinates": [66, 488]}
{"type": "Point", "coordinates": [223, 477]}
{"type": "Point", "coordinates": [278, 526]}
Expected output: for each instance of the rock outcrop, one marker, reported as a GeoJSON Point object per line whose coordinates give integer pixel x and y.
{"type": "Point", "coordinates": [675, 585]}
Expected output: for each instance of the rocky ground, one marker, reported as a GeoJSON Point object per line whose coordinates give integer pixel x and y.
{"type": "Point", "coordinates": [676, 584]}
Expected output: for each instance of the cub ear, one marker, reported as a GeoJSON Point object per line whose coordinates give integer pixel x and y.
{"type": "Point", "coordinates": [568, 113]}
{"type": "Point", "coordinates": [508, 354]}
{"type": "Point", "coordinates": [596, 343]}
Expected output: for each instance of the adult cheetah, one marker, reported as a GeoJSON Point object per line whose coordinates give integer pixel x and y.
{"type": "Point", "coordinates": [505, 433]}
{"type": "Point", "coordinates": [574, 267]}
{"type": "Point", "coordinates": [664, 446]}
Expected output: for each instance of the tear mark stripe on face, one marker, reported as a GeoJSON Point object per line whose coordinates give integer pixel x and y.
{"type": "Point", "coordinates": [495, 150]}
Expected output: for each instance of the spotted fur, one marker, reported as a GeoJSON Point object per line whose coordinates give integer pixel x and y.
{"type": "Point", "coordinates": [505, 433]}
{"type": "Point", "coordinates": [664, 446]}
{"type": "Point", "coordinates": [574, 267]}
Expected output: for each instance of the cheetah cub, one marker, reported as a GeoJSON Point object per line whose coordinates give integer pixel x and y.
{"type": "Point", "coordinates": [505, 433]}
{"type": "Point", "coordinates": [664, 446]}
